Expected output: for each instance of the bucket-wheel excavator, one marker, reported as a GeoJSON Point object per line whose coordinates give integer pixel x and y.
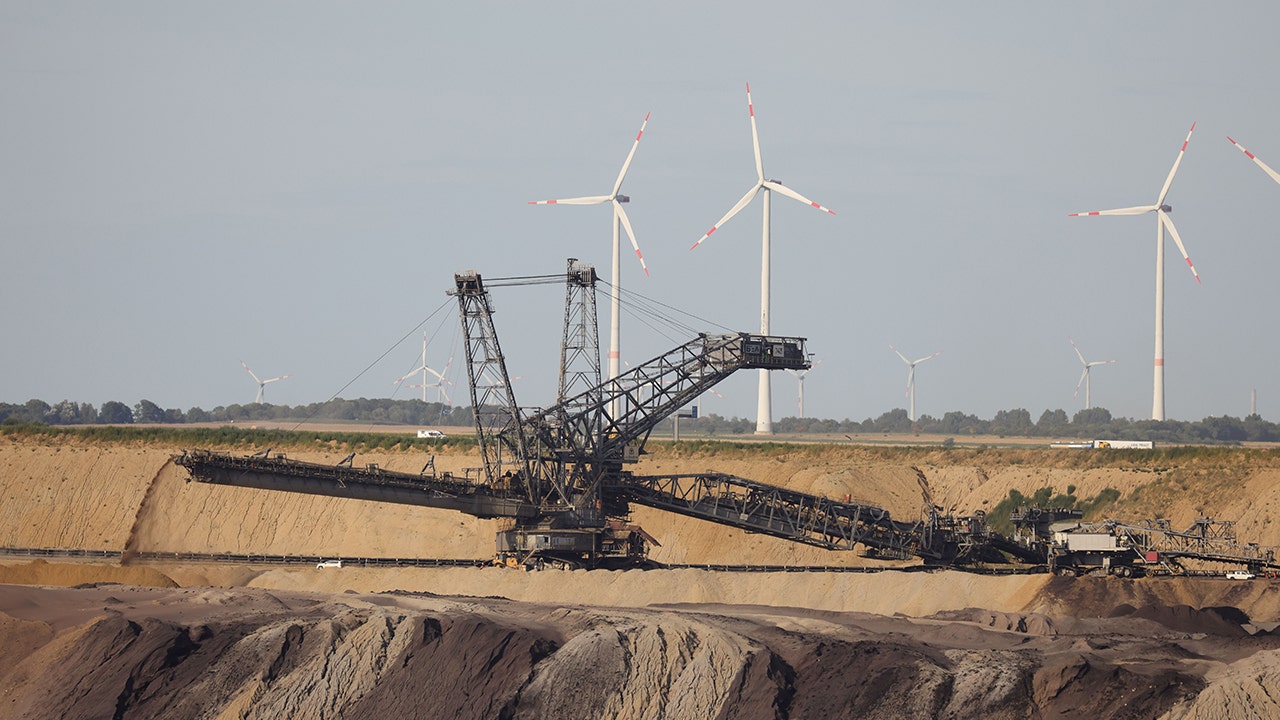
{"type": "Point", "coordinates": [559, 474]}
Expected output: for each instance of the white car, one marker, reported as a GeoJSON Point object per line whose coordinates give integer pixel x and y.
{"type": "Point", "coordinates": [328, 564]}
{"type": "Point", "coordinates": [431, 434]}
{"type": "Point", "coordinates": [1240, 575]}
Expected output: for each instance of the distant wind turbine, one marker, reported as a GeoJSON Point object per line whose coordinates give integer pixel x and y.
{"type": "Point", "coordinates": [262, 384]}
{"type": "Point", "coordinates": [619, 219]}
{"type": "Point", "coordinates": [441, 394]}
{"type": "Point", "coordinates": [764, 407]}
{"type": "Point", "coordinates": [1162, 221]}
{"type": "Point", "coordinates": [911, 378]}
{"type": "Point", "coordinates": [799, 376]}
{"type": "Point", "coordinates": [1254, 158]}
{"type": "Point", "coordinates": [1084, 376]}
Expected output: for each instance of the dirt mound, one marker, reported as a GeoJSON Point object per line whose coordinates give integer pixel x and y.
{"type": "Point", "coordinates": [1227, 622]}
{"type": "Point", "coordinates": [40, 572]}
{"type": "Point", "coordinates": [1030, 624]}
{"type": "Point", "coordinates": [258, 654]}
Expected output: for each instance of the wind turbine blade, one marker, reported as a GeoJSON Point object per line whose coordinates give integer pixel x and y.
{"type": "Point", "coordinates": [1254, 158]}
{"type": "Point", "coordinates": [1099, 362]}
{"type": "Point", "coordinates": [1168, 223]}
{"type": "Point", "coordinates": [414, 371]}
{"type": "Point", "coordinates": [911, 380]}
{"type": "Point", "coordinates": [617, 184]}
{"type": "Point", "coordinates": [593, 200]}
{"type": "Point", "coordinates": [1139, 210]}
{"type": "Point", "coordinates": [1078, 353]}
{"type": "Point", "coordinates": [895, 351]}
{"type": "Point", "coordinates": [255, 377]}
{"type": "Point", "coordinates": [927, 358]}
{"type": "Point", "coordinates": [1174, 170]}
{"type": "Point", "coordinates": [282, 377]}
{"type": "Point", "coordinates": [779, 187]}
{"type": "Point", "coordinates": [733, 211]}
{"type": "Point", "coordinates": [626, 225]}
{"type": "Point", "coordinates": [1084, 373]}
{"type": "Point", "coordinates": [755, 137]}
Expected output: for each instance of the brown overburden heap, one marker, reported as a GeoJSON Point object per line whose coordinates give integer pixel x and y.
{"type": "Point", "coordinates": [171, 653]}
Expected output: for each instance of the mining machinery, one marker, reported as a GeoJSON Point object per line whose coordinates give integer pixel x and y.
{"type": "Point", "coordinates": [560, 477]}
{"type": "Point", "coordinates": [1071, 546]}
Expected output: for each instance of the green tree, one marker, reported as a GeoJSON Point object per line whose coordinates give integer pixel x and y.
{"type": "Point", "coordinates": [63, 413]}
{"type": "Point", "coordinates": [1052, 421]}
{"type": "Point", "coordinates": [147, 412]}
{"type": "Point", "coordinates": [895, 420]}
{"type": "Point", "coordinates": [115, 413]}
{"type": "Point", "coordinates": [1093, 417]}
{"type": "Point", "coordinates": [37, 410]}
{"type": "Point", "coordinates": [1223, 429]}
{"type": "Point", "coordinates": [1012, 422]}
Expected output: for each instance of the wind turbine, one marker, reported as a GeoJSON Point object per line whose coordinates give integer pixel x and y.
{"type": "Point", "coordinates": [426, 371]}
{"type": "Point", "coordinates": [764, 408]}
{"type": "Point", "coordinates": [1162, 221]}
{"type": "Point", "coordinates": [911, 378]}
{"type": "Point", "coordinates": [799, 376]}
{"type": "Point", "coordinates": [619, 219]}
{"type": "Point", "coordinates": [1254, 158]}
{"type": "Point", "coordinates": [1084, 376]}
{"type": "Point", "coordinates": [262, 384]}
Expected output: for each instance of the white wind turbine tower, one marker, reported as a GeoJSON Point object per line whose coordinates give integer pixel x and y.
{"type": "Point", "coordinates": [619, 219]}
{"type": "Point", "coordinates": [799, 376]}
{"type": "Point", "coordinates": [911, 378]}
{"type": "Point", "coordinates": [764, 408]}
{"type": "Point", "coordinates": [262, 384]}
{"type": "Point", "coordinates": [441, 394]}
{"type": "Point", "coordinates": [1254, 158]}
{"type": "Point", "coordinates": [1084, 376]}
{"type": "Point", "coordinates": [1162, 221]}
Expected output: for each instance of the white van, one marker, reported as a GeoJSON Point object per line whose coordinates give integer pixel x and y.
{"type": "Point", "coordinates": [328, 564]}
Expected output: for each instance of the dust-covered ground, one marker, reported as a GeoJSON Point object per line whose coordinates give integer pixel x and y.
{"type": "Point", "coordinates": [214, 640]}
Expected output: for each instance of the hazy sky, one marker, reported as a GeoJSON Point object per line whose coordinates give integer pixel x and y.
{"type": "Point", "coordinates": [185, 185]}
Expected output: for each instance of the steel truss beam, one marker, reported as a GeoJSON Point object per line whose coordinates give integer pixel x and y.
{"type": "Point", "coordinates": [796, 516]}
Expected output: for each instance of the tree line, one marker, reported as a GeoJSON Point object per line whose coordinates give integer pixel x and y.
{"type": "Point", "coordinates": [1094, 423]}
{"type": "Point", "coordinates": [1091, 424]}
{"type": "Point", "coordinates": [377, 411]}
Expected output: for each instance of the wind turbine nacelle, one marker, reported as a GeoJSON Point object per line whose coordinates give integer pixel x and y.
{"type": "Point", "coordinates": [1166, 208]}
{"type": "Point", "coordinates": [622, 198]}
